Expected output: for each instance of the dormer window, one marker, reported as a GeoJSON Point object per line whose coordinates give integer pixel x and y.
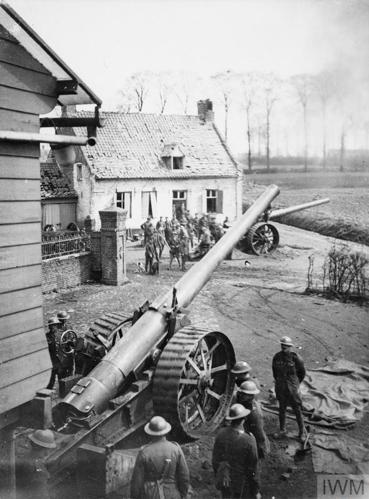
{"type": "Point", "coordinates": [172, 157]}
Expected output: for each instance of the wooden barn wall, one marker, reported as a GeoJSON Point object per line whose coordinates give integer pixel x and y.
{"type": "Point", "coordinates": [26, 91]}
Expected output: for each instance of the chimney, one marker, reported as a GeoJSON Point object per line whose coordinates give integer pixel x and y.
{"type": "Point", "coordinates": [205, 110]}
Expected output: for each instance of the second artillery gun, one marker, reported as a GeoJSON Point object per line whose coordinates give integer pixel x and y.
{"type": "Point", "coordinates": [157, 362]}
{"type": "Point", "coordinates": [263, 237]}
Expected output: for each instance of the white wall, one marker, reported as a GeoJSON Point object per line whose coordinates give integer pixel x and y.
{"type": "Point", "coordinates": [102, 194]}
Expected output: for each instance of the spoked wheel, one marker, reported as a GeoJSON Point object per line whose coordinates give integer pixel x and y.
{"type": "Point", "coordinates": [193, 386]}
{"type": "Point", "coordinates": [261, 239]}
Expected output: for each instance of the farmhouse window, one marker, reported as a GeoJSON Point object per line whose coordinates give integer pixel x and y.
{"type": "Point", "coordinates": [179, 203]}
{"type": "Point", "coordinates": [149, 204]}
{"type": "Point", "coordinates": [124, 200]}
{"type": "Point", "coordinates": [214, 201]}
{"type": "Point", "coordinates": [172, 156]}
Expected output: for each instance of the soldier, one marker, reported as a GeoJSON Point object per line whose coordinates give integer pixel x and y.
{"type": "Point", "coordinates": [288, 372]}
{"type": "Point", "coordinates": [184, 244]}
{"type": "Point", "coordinates": [63, 316]}
{"type": "Point", "coordinates": [32, 475]}
{"type": "Point", "coordinates": [160, 226]}
{"type": "Point", "coordinates": [66, 359]}
{"type": "Point", "coordinates": [148, 229]}
{"type": "Point", "coordinates": [235, 458]}
{"type": "Point", "coordinates": [242, 372]}
{"type": "Point", "coordinates": [53, 340]}
{"type": "Point", "coordinates": [160, 471]}
{"type": "Point", "coordinates": [254, 422]}
{"type": "Point", "coordinates": [205, 241]}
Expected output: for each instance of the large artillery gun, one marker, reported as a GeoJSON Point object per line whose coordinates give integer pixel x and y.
{"type": "Point", "coordinates": [160, 364]}
{"type": "Point", "coordinates": [263, 237]}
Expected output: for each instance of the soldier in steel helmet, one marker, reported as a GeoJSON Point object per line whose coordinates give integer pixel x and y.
{"type": "Point", "coordinates": [235, 458]}
{"type": "Point", "coordinates": [160, 471]}
{"type": "Point", "coordinates": [66, 359]}
{"type": "Point", "coordinates": [288, 372]}
{"type": "Point", "coordinates": [241, 372]}
{"type": "Point", "coordinates": [32, 476]}
{"type": "Point", "coordinates": [53, 339]}
{"type": "Point", "coordinates": [254, 422]}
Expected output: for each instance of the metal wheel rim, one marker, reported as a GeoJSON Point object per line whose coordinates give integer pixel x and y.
{"type": "Point", "coordinates": [264, 239]}
{"type": "Point", "coordinates": [202, 390]}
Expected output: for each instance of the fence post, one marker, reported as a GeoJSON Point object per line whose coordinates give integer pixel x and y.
{"type": "Point", "coordinates": [113, 245]}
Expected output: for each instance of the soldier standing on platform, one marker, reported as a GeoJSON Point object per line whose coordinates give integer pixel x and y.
{"type": "Point", "coordinates": [288, 372]}
{"type": "Point", "coordinates": [53, 340]}
{"type": "Point", "coordinates": [66, 359]}
{"type": "Point", "coordinates": [160, 471]}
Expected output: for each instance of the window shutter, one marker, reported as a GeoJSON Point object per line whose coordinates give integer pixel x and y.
{"type": "Point", "coordinates": [219, 201]}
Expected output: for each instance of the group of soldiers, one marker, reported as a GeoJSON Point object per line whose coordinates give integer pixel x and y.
{"type": "Point", "coordinates": [240, 446]}
{"type": "Point", "coordinates": [180, 235]}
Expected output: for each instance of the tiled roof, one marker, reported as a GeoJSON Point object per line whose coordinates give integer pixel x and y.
{"type": "Point", "coordinates": [131, 146]}
{"type": "Point", "coordinates": [54, 184]}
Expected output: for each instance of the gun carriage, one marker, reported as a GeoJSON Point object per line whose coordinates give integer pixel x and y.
{"type": "Point", "coordinates": [153, 361]}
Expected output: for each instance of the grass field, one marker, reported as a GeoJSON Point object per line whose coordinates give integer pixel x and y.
{"type": "Point", "coordinates": [345, 217]}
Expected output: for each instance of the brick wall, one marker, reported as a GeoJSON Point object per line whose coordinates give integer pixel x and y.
{"type": "Point", "coordinates": [66, 272]}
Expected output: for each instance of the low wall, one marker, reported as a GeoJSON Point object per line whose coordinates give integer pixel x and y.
{"type": "Point", "coordinates": [66, 272]}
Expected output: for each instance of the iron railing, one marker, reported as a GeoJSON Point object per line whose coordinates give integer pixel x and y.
{"type": "Point", "coordinates": [64, 243]}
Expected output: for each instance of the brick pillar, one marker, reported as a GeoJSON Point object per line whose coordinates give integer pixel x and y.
{"type": "Point", "coordinates": [113, 244]}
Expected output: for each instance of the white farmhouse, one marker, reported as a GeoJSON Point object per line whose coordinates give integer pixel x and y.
{"type": "Point", "coordinates": [153, 165]}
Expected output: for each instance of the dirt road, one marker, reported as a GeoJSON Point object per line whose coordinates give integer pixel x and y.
{"type": "Point", "coordinates": [254, 306]}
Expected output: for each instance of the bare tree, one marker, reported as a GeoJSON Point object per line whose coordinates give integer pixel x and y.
{"type": "Point", "coordinates": [135, 90]}
{"type": "Point", "coordinates": [248, 84]}
{"type": "Point", "coordinates": [224, 83]}
{"type": "Point", "coordinates": [270, 86]}
{"type": "Point", "coordinates": [303, 86]}
{"type": "Point", "coordinates": [325, 88]}
{"type": "Point", "coordinates": [165, 86]}
{"type": "Point", "coordinates": [186, 85]}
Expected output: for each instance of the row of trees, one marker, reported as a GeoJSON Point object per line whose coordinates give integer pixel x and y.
{"type": "Point", "coordinates": [305, 104]}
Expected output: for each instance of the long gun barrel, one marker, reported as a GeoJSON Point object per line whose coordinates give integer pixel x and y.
{"type": "Point", "coordinates": [298, 207]}
{"type": "Point", "coordinates": [93, 392]}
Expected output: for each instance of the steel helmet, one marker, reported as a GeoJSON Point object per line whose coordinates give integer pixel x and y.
{"type": "Point", "coordinates": [157, 426]}
{"type": "Point", "coordinates": [53, 320]}
{"type": "Point", "coordinates": [43, 438]}
{"type": "Point", "coordinates": [241, 367]}
{"type": "Point", "coordinates": [249, 388]}
{"type": "Point", "coordinates": [237, 411]}
{"type": "Point", "coordinates": [63, 315]}
{"type": "Point", "coordinates": [286, 340]}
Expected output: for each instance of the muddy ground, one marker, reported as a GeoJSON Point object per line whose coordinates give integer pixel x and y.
{"type": "Point", "coordinates": [254, 306]}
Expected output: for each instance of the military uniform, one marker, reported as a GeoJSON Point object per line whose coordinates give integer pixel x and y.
{"type": "Point", "coordinates": [254, 424]}
{"type": "Point", "coordinates": [160, 465]}
{"type": "Point", "coordinates": [288, 372]}
{"type": "Point", "coordinates": [238, 448]}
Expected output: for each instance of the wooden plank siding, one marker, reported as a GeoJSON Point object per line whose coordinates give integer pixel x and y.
{"type": "Point", "coordinates": [27, 90]}
{"type": "Point", "coordinates": [20, 322]}
{"type": "Point", "coordinates": [19, 256]}
{"type": "Point", "coordinates": [19, 278]}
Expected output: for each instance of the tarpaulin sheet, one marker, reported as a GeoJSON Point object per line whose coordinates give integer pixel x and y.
{"type": "Point", "coordinates": [334, 395]}
{"type": "Point", "coordinates": [340, 454]}
{"type": "Point", "coordinates": [337, 392]}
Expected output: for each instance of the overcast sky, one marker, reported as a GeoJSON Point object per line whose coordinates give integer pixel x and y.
{"type": "Point", "coordinates": [104, 41]}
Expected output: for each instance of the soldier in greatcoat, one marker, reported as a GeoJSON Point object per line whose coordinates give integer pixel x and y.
{"type": "Point", "coordinates": [160, 471]}
{"type": "Point", "coordinates": [288, 372]}
{"type": "Point", "coordinates": [254, 422]}
{"type": "Point", "coordinates": [235, 458]}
